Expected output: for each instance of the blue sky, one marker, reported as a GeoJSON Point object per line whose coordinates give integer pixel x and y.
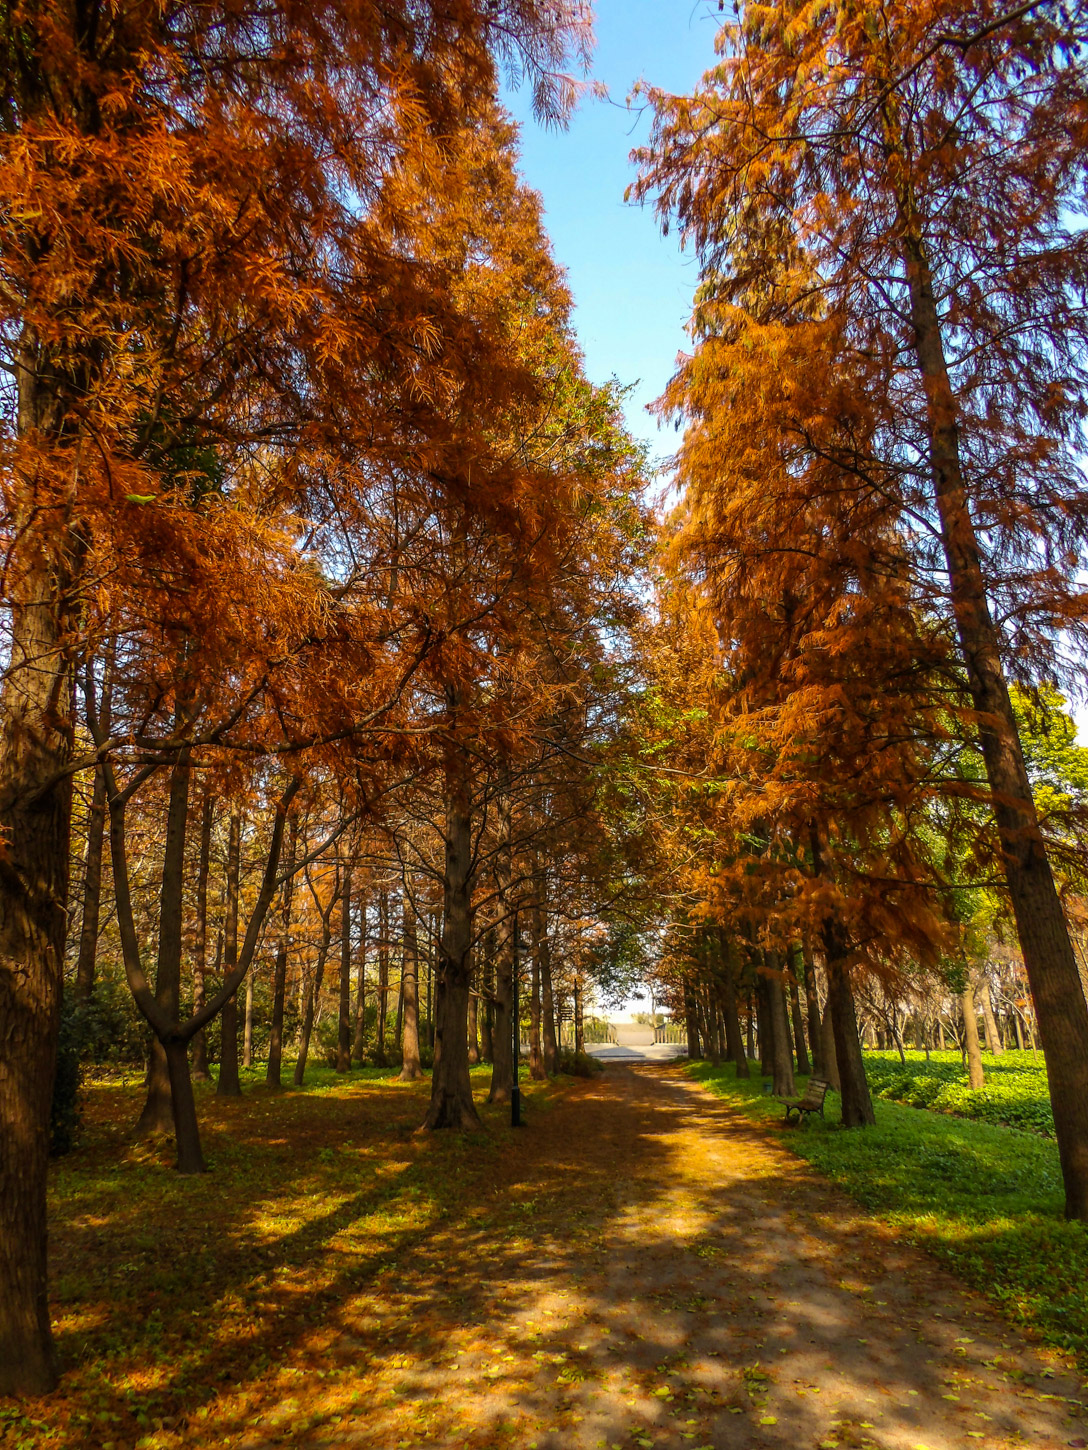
{"type": "Point", "coordinates": [632, 287]}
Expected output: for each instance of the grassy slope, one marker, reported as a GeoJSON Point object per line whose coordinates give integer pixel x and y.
{"type": "Point", "coordinates": [987, 1200]}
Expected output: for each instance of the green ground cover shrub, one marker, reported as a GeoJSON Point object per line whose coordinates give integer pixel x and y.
{"type": "Point", "coordinates": [1015, 1096]}
{"type": "Point", "coordinates": [986, 1200]}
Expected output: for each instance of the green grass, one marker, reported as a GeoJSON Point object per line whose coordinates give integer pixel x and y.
{"type": "Point", "coordinates": [1015, 1094]}
{"type": "Point", "coordinates": [984, 1199]}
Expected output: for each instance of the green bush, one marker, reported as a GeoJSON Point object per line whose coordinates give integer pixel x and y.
{"type": "Point", "coordinates": [578, 1064]}
{"type": "Point", "coordinates": [1015, 1094]}
{"type": "Point", "coordinates": [111, 1028]}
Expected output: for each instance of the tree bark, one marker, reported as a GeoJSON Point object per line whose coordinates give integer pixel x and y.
{"type": "Point", "coordinates": [542, 951]}
{"type": "Point", "coordinates": [1045, 943]}
{"type": "Point", "coordinates": [691, 1021]}
{"type": "Point", "coordinates": [782, 1060]}
{"type": "Point", "coordinates": [502, 1042]}
{"type": "Point", "coordinates": [502, 1025]}
{"type": "Point", "coordinates": [734, 1039]}
{"type": "Point", "coordinates": [707, 1026]}
{"type": "Point", "coordinates": [157, 1116]}
{"type": "Point", "coordinates": [35, 825]}
{"type": "Point", "coordinates": [765, 1024]}
{"type": "Point", "coordinates": [989, 1022]}
{"type": "Point", "coordinates": [343, 1025]}
{"type": "Point", "coordinates": [857, 1105]}
{"type": "Point", "coordinates": [797, 971]}
{"type": "Point", "coordinates": [410, 1068]}
{"type": "Point", "coordinates": [359, 1044]}
{"type": "Point", "coordinates": [228, 1085]}
{"type": "Point", "coordinates": [976, 1076]}
{"type": "Point", "coordinates": [828, 1055]}
{"type": "Point", "coordinates": [484, 974]}
{"type": "Point", "coordinates": [451, 1103]}
{"type": "Point", "coordinates": [247, 1032]}
{"type": "Point", "coordinates": [43, 564]}
{"type": "Point", "coordinates": [474, 1028]}
{"type": "Point", "coordinates": [812, 1000]}
{"type": "Point", "coordinates": [536, 1046]}
{"type": "Point", "coordinates": [273, 1072]}
{"type": "Point", "coordinates": [200, 949]}
{"type": "Point", "coordinates": [92, 861]}
{"type": "Point", "coordinates": [313, 995]}
{"type": "Point", "coordinates": [383, 977]}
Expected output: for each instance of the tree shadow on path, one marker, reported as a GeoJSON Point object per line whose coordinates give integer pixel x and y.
{"type": "Point", "coordinates": [640, 1266]}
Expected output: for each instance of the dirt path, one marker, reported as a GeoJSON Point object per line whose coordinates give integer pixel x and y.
{"type": "Point", "coordinates": [654, 1270]}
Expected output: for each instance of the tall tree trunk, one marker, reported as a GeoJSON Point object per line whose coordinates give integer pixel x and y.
{"type": "Point", "coordinates": [691, 1021]}
{"type": "Point", "coordinates": [228, 1085]}
{"type": "Point", "coordinates": [474, 1028]}
{"type": "Point", "coordinates": [812, 1000]}
{"type": "Point", "coordinates": [734, 1039]}
{"type": "Point", "coordinates": [1048, 954]}
{"type": "Point", "coordinates": [451, 1103]}
{"type": "Point", "coordinates": [409, 991]}
{"type": "Point", "coordinates": [359, 1044]}
{"type": "Point", "coordinates": [989, 1022]}
{"type": "Point", "coordinates": [707, 1025]}
{"type": "Point", "coordinates": [750, 1044]}
{"type": "Point", "coordinates": [200, 948]}
{"type": "Point", "coordinates": [313, 996]}
{"type": "Point", "coordinates": [542, 950]}
{"type": "Point", "coordinates": [579, 1015]}
{"type": "Point", "coordinates": [976, 1076]}
{"type": "Point", "coordinates": [782, 1060]}
{"type": "Point", "coordinates": [158, 1112]}
{"type": "Point", "coordinates": [92, 890]}
{"type": "Point", "coordinates": [400, 1009]}
{"type": "Point", "coordinates": [274, 1069]}
{"type": "Point", "coordinates": [857, 1105]}
{"type": "Point", "coordinates": [828, 1053]}
{"type": "Point", "coordinates": [343, 1024]}
{"type": "Point", "coordinates": [247, 1032]}
{"type": "Point", "coordinates": [797, 969]}
{"type": "Point", "coordinates": [92, 860]}
{"type": "Point", "coordinates": [35, 825]}
{"type": "Point", "coordinates": [536, 1046]}
{"type": "Point", "coordinates": [766, 1025]}
{"type": "Point", "coordinates": [432, 982]}
{"type": "Point", "coordinates": [502, 1042]}
{"type": "Point", "coordinates": [485, 975]}
{"type": "Point", "coordinates": [383, 977]}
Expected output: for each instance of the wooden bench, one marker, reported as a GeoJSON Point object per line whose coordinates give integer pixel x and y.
{"type": "Point", "coordinates": [812, 1102]}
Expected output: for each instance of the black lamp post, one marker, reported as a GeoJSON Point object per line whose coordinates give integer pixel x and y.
{"type": "Point", "coordinates": [515, 1095]}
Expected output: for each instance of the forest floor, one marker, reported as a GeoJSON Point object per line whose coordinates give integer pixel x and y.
{"type": "Point", "coordinates": [640, 1266]}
